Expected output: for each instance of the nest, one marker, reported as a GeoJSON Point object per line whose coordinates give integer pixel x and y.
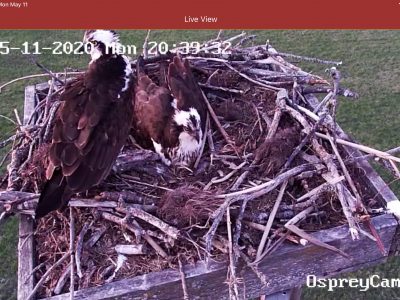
{"type": "Point", "coordinates": [271, 159]}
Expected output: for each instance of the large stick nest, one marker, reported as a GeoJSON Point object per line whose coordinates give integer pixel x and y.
{"type": "Point", "coordinates": [261, 115]}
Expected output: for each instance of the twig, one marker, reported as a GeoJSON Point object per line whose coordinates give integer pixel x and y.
{"type": "Point", "coordinates": [346, 173]}
{"type": "Point", "coordinates": [135, 229]}
{"type": "Point", "coordinates": [8, 119]}
{"type": "Point", "coordinates": [303, 142]}
{"type": "Point", "coordinates": [232, 267]}
{"type": "Point", "coordinates": [238, 226]}
{"type": "Point", "coordinates": [35, 76]}
{"type": "Point", "coordinates": [7, 141]}
{"type": "Point", "coordinates": [145, 45]}
{"type": "Point", "coordinates": [319, 189]}
{"type": "Point", "coordinates": [271, 220]}
{"type": "Point", "coordinates": [219, 88]}
{"type": "Point", "coordinates": [226, 177]}
{"type": "Point", "coordinates": [45, 275]}
{"type": "Point", "coordinates": [138, 213]}
{"type": "Point", "coordinates": [248, 194]}
{"type": "Point", "coordinates": [266, 187]}
{"type": "Point", "coordinates": [79, 246]}
{"type": "Point", "coordinates": [62, 280]}
{"type": "Point", "coordinates": [183, 280]}
{"type": "Point", "coordinates": [17, 117]}
{"type": "Point", "coordinates": [328, 161]}
{"type": "Point", "coordinates": [300, 216]}
{"type": "Point", "coordinates": [305, 90]}
{"type": "Point", "coordinates": [293, 228]}
{"type": "Point", "coordinates": [52, 75]}
{"type": "Point", "coordinates": [216, 121]}
{"type": "Point", "coordinates": [307, 58]}
{"type": "Point", "coordinates": [363, 148]}
{"type": "Point", "coordinates": [49, 124]}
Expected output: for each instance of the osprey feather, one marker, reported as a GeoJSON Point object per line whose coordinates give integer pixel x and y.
{"type": "Point", "coordinates": [92, 123]}
{"type": "Point", "coordinates": [170, 117]}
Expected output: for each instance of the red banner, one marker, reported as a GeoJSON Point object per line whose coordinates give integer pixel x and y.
{"type": "Point", "coordinates": [206, 14]}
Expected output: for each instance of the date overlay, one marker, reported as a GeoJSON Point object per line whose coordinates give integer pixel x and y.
{"type": "Point", "coordinates": [13, 4]}
{"type": "Point", "coordinates": [79, 48]}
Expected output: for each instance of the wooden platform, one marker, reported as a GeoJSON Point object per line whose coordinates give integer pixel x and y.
{"type": "Point", "coordinates": [285, 269]}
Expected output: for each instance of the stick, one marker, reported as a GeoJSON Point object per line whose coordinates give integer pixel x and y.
{"type": "Point", "coordinates": [138, 213]}
{"type": "Point", "coordinates": [232, 259]}
{"type": "Point", "coordinates": [248, 194]}
{"type": "Point", "coordinates": [270, 185]}
{"type": "Point", "coordinates": [45, 275]}
{"type": "Point", "coordinates": [149, 239]}
{"type": "Point", "coordinates": [219, 88]}
{"type": "Point", "coordinates": [305, 90]}
{"type": "Point", "coordinates": [145, 44]}
{"type": "Point", "coordinates": [304, 141]}
{"type": "Point", "coordinates": [51, 74]}
{"type": "Point", "coordinates": [216, 121]}
{"type": "Point", "coordinates": [254, 268]}
{"type": "Point", "coordinates": [226, 177]}
{"type": "Point", "coordinates": [62, 280]}
{"type": "Point", "coordinates": [311, 239]}
{"type": "Point", "coordinates": [183, 280]}
{"type": "Point", "coordinates": [300, 216]}
{"type": "Point", "coordinates": [36, 76]}
{"type": "Point", "coordinates": [271, 220]}
{"type": "Point", "coordinates": [79, 246]}
{"type": "Point", "coordinates": [346, 172]}
{"type": "Point", "coordinates": [319, 189]}
{"type": "Point", "coordinates": [363, 148]}
{"type": "Point", "coordinates": [306, 58]}
{"type": "Point", "coordinates": [328, 161]}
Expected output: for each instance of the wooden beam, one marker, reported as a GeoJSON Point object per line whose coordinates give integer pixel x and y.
{"type": "Point", "coordinates": [290, 261]}
{"type": "Point", "coordinates": [26, 223]}
{"type": "Point", "coordinates": [25, 257]}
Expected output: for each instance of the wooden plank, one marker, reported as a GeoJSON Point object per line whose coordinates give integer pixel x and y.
{"type": "Point", "coordinates": [293, 294]}
{"type": "Point", "coordinates": [25, 257]}
{"type": "Point", "coordinates": [29, 103]}
{"type": "Point", "coordinates": [286, 268]}
{"type": "Point", "coordinates": [26, 223]}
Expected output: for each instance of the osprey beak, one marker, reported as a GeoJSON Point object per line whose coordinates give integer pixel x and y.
{"type": "Point", "coordinates": [198, 136]}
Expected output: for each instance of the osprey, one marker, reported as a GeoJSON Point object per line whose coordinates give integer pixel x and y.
{"type": "Point", "coordinates": [170, 117]}
{"type": "Point", "coordinates": [92, 123]}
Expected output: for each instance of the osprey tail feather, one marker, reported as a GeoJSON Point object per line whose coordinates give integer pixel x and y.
{"type": "Point", "coordinates": [55, 195]}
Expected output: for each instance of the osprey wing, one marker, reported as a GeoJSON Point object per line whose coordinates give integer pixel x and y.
{"type": "Point", "coordinates": [153, 111]}
{"type": "Point", "coordinates": [184, 87]}
{"type": "Point", "coordinates": [88, 134]}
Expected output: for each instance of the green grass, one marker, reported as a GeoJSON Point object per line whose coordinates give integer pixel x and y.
{"type": "Point", "coordinates": [371, 66]}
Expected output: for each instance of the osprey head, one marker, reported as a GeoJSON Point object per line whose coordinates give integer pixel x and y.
{"type": "Point", "coordinates": [190, 122]}
{"type": "Point", "coordinates": [99, 42]}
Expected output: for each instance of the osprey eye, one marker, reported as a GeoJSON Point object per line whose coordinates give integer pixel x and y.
{"type": "Point", "coordinates": [94, 43]}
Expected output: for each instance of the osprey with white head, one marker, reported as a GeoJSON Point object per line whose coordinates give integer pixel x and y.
{"type": "Point", "coordinates": [91, 125]}
{"type": "Point", "coordinates": [100, 42]}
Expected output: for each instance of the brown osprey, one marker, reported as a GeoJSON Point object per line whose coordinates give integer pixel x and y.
{"type": "Point", "coordinates": [92, 124]}
{"type": "Point", "coordinates": [170, 117]}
